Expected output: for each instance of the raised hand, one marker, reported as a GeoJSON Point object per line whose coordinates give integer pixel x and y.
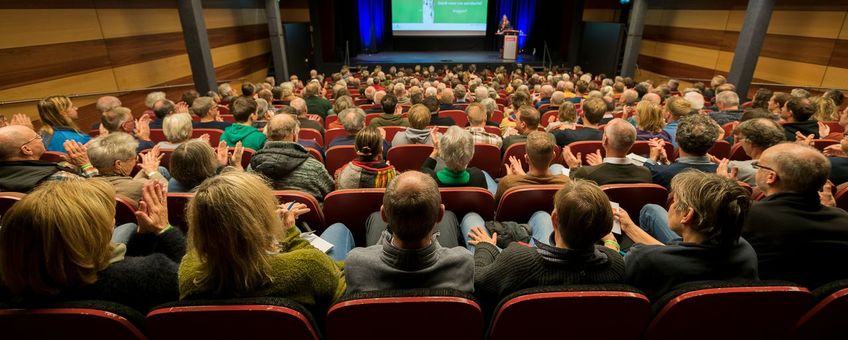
{"type": "Point", "coordinates": [21, 119]}
{"type": "Point", "coordinates": [594, 158]}
{"type": "Point", "coordinates": [181, 107]}
{"type": "Point", "coordinates": [723, 165]}
{"type": "Point", "coordinates": [150, 160]}
{"type": "Point", "coordinates": [570, 159]}
{"type": "Point", "coordinates": [516, 167]}
{"type": "Point", "coordinates": [824, 130]}
{"type": "Point", "coordinates": [826, 195]}
{"type": "Point", "coordinates": [152, 214]}
{"type": "Point", "coordinates": [235, 159]}
{"type": "Point", "coordinates": [142, 127]}
{"type": "Point", "coordinates": [76, 153]}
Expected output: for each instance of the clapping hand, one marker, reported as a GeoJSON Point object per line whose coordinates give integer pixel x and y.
{"type": "Point", "coordinates": [594, 158]}
{"type": "Point", "coordinates": [289, 213]}
{"type": "Point", "coordinates": [723, 165]}
{"type": "Point", "coordinates": [76, 153]}
{"type": "Point", "coordinates": [573, 161]}
{"type": "Point", "coordinates": [152, 214]}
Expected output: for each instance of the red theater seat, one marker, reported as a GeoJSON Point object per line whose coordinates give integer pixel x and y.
{"type": "Point", "coordinates": [53, 156]}
{"type": "Point", "coordinates": [7, 199]}
{"type": "Point", "coordinates": [391, 131]}
{"type": "Point", "coordinates": [337, 156]}
{"type": "Point", "coordinates": [487, 157]}
{"type": "Point", "coordinates": [632, 197]}
{"type": "Point", "coordinates": [519, 203]}
{"type": "Point", "coordinates": [352, 207]}
{"type": "Point", "coordinates": [331, 134]}
{"type": "Point", "coordinates": [124, 210]}
{"type": "Point", "coordinates": [177, 202]}
{"type": "Point", "coordinates": [721, 149]}
{"type": "Point", "coordinates": [214, 135]}
{"type": "Point", "coordinates": [314, 218]}
{"type": "Point", "coordinates": [459, 117]}
{"type": "Point", "coordinates": [585, 148]}
{"type": "Point", "coordinates": [827, 318]}
{"type": "Point", "coordinates": [409, 157]}
{"type": "Point", "coordinates": [72, 320]}
{"type": "Point", "coordinates": [248, 318]}
{"type": "Point", "coordinates": [737, 153]}
{"type": "Point", "coordinates": [517, 150]}
{"type": "Point", "coordinates": [469, 199]}
{"type": "Point", "coordinates": [157, 135]}
{"type": "Point", "coordinates": [311, 134]}
{"type": "Point", "coordinates": [842, 197]}
{"type": "Point", "coordinates": [574, 308]}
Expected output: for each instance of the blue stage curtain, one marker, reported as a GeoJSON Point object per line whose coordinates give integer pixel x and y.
{"type": "Point", "coordinates": [521, 14]}
{"type": "Point", "coordinates": [371, 21]}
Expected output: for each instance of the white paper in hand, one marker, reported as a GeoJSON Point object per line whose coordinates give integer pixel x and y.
{"type": "Point", "coordinates": [317, 242]}
{"type": "Point", "coordinates": [616, 223]}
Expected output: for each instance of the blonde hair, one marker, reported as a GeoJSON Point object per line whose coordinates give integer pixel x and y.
{"type": "Point", "coordinates": [49, 242]}
{"type": "Point", "coordinates": [232, 227]}
{"type": "Point", "coordinates": [826, 110]}
{"type": "Point", "coordinates": [51, 111]}
{"type": "Point", "coordinates": [650, 117]}
{"type": "Point", "coordinates": [419, 116]}
{"type": "Point", "coordinates": [567, 113]}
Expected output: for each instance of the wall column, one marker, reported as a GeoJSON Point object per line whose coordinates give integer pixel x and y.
{"type": "Point", "coordinates": [278, 44]}
{"type": "Point", "coordinates": [749, 45]}
{"type": "Point", "coordinates": [197, 45]}
{"type": "Point", "coordinates": [634, 37]}
{"type": "Point", "coordinates": [576, 38]}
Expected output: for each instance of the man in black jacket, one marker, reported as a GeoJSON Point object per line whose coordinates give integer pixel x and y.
{"type": "Point", "coordinates": [796, 238]}
{"type": "Point", "coordinates": [20, 167]}
{"type": "Point", "coordinates": [796, 113]}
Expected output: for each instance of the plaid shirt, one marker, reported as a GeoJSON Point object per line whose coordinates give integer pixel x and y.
{"type": "Point", "coordinates": [482, 137]}
{"type": "Point", "coordinates": [69, 171]}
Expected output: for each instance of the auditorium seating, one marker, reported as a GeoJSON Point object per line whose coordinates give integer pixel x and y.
{"type": "Point", "coordinates": [459, 117]}
{"type": "Point", "coordinates": [643, 148]}
{"type": "Point", "coordinates": [124, 210]}
{"type": "Point", "coordinates": [214, 135]}
{"type": "Point", "coordinates": [337, 156]}
{"type": "Point", "coordinates": [7, 199]}
{"type": "Point", "coordinates": [820, 144]}
{"type": "Point", "coordinates": [391, 131]}
{"type": "Point", "coordinates": [469, 199]}
{"type": "Point", "coordinates": [834, 127]}
{"type": "Point", "coordinates": [329, 120]}
{"type": "Point", "coordinates": [314, 218]}
{"type": "Point", "coordinates": [632, 197]}
{"type": "Point", "coordinates": [311, 134]}
{"type": "Point", "coordinates": [331, 134]}
{"type": "Point", "coordinates": [314, 153]}
{"type": "Point", "coordinates": [827, 316]}
{"type": "Point", "coordinates": [720, 150]}
{"type": "Point", "coordinates": [157, 135]}
{"type": "Point", "coordinates": [544, 121]}
{"type": "Point", "coordinates": [369, 117]}
{"type": "Point", "coordinates": [739, 309]}
{"type": "Point", "coordinates": [227, 117]}
{"type": "Point", "coordinates": [841, 197]}
{"type": "Point", "coordinates": [53, 156]}
{"type": "Point", "coordinates": [177, 202]}
{"type": "Point", "coordinates": [585, 148]}
{"type": "Point", "coordinates": [610, 311]}
{"type": "Point", "coordinates": [737, 153]}
{"type": "Point", "coordinates": [85, 319]}
{"type": "Point", "coordinates": [407, 314]}
{"type": "Point", "coordinates": [519, 203]}
{"type": "Point", "coordinates": [517, 150]}
{"type": "Point", "coordinates": [409, 156]}
{"type": "Point", "coordinates": [245, 318]}
{"type": "Point", "coordinates": [337, 208]}
{"type": "Point", "coordinates": [487, 157]}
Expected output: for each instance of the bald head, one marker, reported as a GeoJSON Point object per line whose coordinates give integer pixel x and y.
{"type": "Point", "coordinates": [412, 205]}
{"type": "Point", "coordinates": [619, 136]}
{"type": "Point", "coordinates": [282, 127]}
{"type": "Point", "coordinates": [653, 98]}
{"type": "Point", "coordinates": [799, 168]}
{"type": "Point", "coordinates": [18, 142]}
{"type": "Point", "coordinates": [299, 104]}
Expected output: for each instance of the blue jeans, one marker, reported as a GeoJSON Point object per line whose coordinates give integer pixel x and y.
{"type": "Point", "coordinates": [123, 232]}
{"type": "Point", "coordinates": [540, 224]}
{"type": "Point", "coordinates": [490, 182]}
{"type": "Point", "coordinates": [653, 219]}
{"type": "Point", "coordinates": [556, 169]}
{"type": "Point", "coordinates": [341, 238]}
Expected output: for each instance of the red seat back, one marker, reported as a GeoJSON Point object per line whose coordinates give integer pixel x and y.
{"type": "Point", "coordinates": [52, 156]}
{"type": "Point", "coordinates": [728, 128]}
{"type": "Point", "coordinates": [369, 117]}
{"type": "Point", "coordinates": [519, 203]}
{"type": "Point", "coordinates": [487, 157]}
{"type": "Point", "coordinates": [338, 156]}
{"type": "Point", "coordinates": [7, 199]}
{"type": "Point", "coordinates": [469, 199]}
{"type": "Point", "coordinates": [331, 134]}
{"type": "Point", "coordinates": [826, 319]}
{"type": "Point", "coordinates": [314, 153]}
{"type": "Point", "coordinates": [177, 203]}
{"type": "Point", "coordinates": [391, 131]}
{"type": "Point", "coordinates": [754, 312]}
{"type": "Point", "coordinates": [229, 322]}
{"type": "Point", "coordinates": [338, 208]}
{"type": "Point", "coordinates": [66, 323]}
{"type": "Point", "coordinates": [632, 197]}
{"type": "Point", "coordinates": [228, 118]}
{"type": "Point", "coordinates": [157, 135]}
{"type": "Point", "coordinates": [497, 116]}
{"type": "Point", "coordinates": [456, 317]}
{"type": "Point", "coordinates": [517, 150]}
{"type": "Point", "coordinates": [842, 198]}
{"type": "Point", "coordinates": [820, 144]}
{"type": "Point", "coordinates": [409, 156]}
{"type": "Point", "coordinates": [834, 127]}
{"type": "Point", "coordinates": [737, 153]}
{"type": "Point", "coordinates": [547, 116]}
{"type": "Point", "coordinates": [642, 148]}
{"type": "Point", "coordinates": [311, 134]}
{"type": "Point", "coordinates": [214, 135]}
{"type": "Point", "coordinates": [124, 210]}
{"type": "Point", "coordinates": [492, 129]}
{"type": "Point", "coordinates": [329, 120]}
{"type": "Point", "coordinates": [314, 218]}
{"type": "Point", "coordinates": [459, 117]}
{"type": "Point", "coordinates": [587, 147]}
{"type": "Point", "coordinates": [721, 149]}
{"type": "Point", "coordinates": [576, 311]}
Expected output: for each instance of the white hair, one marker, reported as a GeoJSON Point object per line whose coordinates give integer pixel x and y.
{"type": "Point", "coordinates": [456, 148]}
{"type": "Point", "coordinates": [177, 127]}
{"type": "Point", "coordinates": [152, 98]}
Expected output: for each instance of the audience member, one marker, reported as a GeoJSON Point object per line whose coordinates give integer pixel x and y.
{"type": "Point", "coordinates": [194, 161]}
{"type": "Point", "coordinates": [177, 130]}
{"type": "Point", "coordinates": [477, 126]}
{"type": "Point", "coordinates": [615, 168]}
{"type": "Point", "coordinates": [650, 122]}
{"type": "Point", "coordinates": [728, 106]}
{"type": "Point", "coordinates": [315, 103]}
{"type": "Point", "coordinates": [796, 116]}
{"type": "Point", "coordinates": [528, 121]}
{"type": "Point", "coordinates": [244, 112]}
{"type": "Point", "coordinates": [21, 169]}
{"type": "Point", "coordinates": [57, 115]}
{"type": "Point", "coordinates": [566, 118]}
{"type": "Point", "coordinates": [303, 118]}
{"type": "Point", "coordinates": [207, 110]}
{"type": "Point", "coordinates": [755, 135]}
{"type": "Point", "coordinates": [368, 170]}
{"type": "Point", "coordinates": [391, 115]}
{"type": "Point", "coordinates": [114, 156]}
{"type": "Point", "coordinates": [593, 111]}
{"type": "Point", "coordinates": [455, 148]}
{"type": "Point", "coordinates": [540, 153]}
{"type": "Point", "coordinates": [161, 109]}
{"type": "Point", "coordinates": [759, 106]}
{"type": "Point", "coordinates": [696, 135]}
{"type": "Point", "coordinates": [120, 119]}
{"type": "Point", "coordinates": [675, 108]}
{"type": "Point", "coordinates": [417, 132]}
{"type": "Point", "coordinates": [433, 105]}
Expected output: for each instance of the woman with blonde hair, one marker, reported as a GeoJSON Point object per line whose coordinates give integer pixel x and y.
{"type": "Point", "coordinates": [565, 119]}
{"type": "Point", "coordinates": [57, 115]}
{"type": "Point", "coordinates": [649, 122]}
{"type": "Point", "coordinates": [242, 242]}
{"type": "Point", "coordinates": [826, 109]}
{"type": "Point", "coordinates": [55, 248]}
{"type": "Point", "coordinates": [368, 170]}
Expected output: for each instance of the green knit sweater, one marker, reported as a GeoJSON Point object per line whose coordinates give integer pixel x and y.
{"type": "Point", "coordinates": [299, 272]}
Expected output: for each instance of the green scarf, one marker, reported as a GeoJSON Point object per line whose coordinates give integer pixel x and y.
{"type": "Point", "coordinates": [449, 177]}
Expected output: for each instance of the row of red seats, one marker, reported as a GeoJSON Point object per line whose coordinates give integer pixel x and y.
{"type": "Point", "coordinates": [703, 310]}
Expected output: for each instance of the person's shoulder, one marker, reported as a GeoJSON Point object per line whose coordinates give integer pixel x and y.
{"type": "Point", "coordinates": [359, 255]}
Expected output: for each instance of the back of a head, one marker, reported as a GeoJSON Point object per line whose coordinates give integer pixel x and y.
{"type": "Point", "coordinates": [695, 99]}
{"type": "Point", "coordinates": [594, 110]}
{"type": "Point", "coordinates": [540, 149]}
{"type": "Point", "coordinates": [281, 127]}
{"type": "Point", "coordinates": [567, 113]}
{"type": "Point", "coordinates": [801, 108]}
{"type": "Point", "coordinates": [761, 98]}
{"type": "Point", "coordinates": [456, 148]}
{"type": "Point", "coordinates": [201, 106]}
{"type": "Point", "coordinates": [177, 127]}
{"type": "Point", "coordinates": [476, 113]}
{"type": "Point", "coordinates": [720, 205]}
{"type": "Point", "coordinates": [620, 135]}
{"type": "Point", "coordinates": [114, 118]}
{"type": "Point", "coordinates": [242, 108]}
{"type": "Point", "coordinates": [299, 104]}
{"type": "Point", "coordinates": [311, 89]}
{"type": "Point", "coordinates": [762, 133]}
{"type": "Point", "coordinates": [678, 107]}
{"type": "Point", "coordinates": [107, 103]}
{"type": "Point", "coordinates": [153, 97]}
{"type": "Point", "coordinates": [368, 143]}
{"type": "Point", "coordinates": [104, 151]}
{"type": "Point", "coordinates": [696, 134]}
{"type": "Point", "coordinates": [519, 99]}
{"type": "Point", "coordinates": [50, 111]}
{"type": "Point", "coordinates": [352, 119]}
{"type": "Point", "coordinates": [529, 116]}
{"type": "Point", "coordinates": [446, 97]}
{"type": "Point", "coordinates": [192, 162]}
{"type": "Point", "coordinates": [650, 117]}
{"type": "Point", "coordinates": [248, 89]}
{"type": "Point", "coordinates": [412, 204]}
{"type": "Point", "coordinates": [389, 103]}
{"type": "Point", "coordinates": [189, 96]}
{"type": "Point", "coordinates": [225, 90]}
{"type": "Point", "coordinates": [163, 108]}
{"type": "Point", "coordinates": [800, 168]}
{"type": "Point", "coordinates": [44, 250]}
{"type": "Point", "coordinates": [342, 103]}
{"type": "Point", "coordinates": [432, 104]}
{"type": "Point", "coordinates": [727, 99]}
{"type": "Point", "coordinates": [233, 244]}
{"type": "Point", "coordinates": [584, 214]}
{"type": "Point", "coordinates": [419, 117]}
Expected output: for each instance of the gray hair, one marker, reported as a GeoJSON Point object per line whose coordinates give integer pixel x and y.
{"type": "Point", "coordinates": [490, 104]}
{"type": "Point", "coordinates": [353, 119]}
{"type": "Point", "coordinates": [281, 127]}
{"type": "Point", "coordinates": [103, 151]}
{"type": "Point", "coordinates": [557, 98]}
{"type": "Point", "coordinates": [480, 93]}
{"type": "Point", "coordinates": [107, 103]}
{"type": "Point", "coordinates": [177, 127]}
{"type": "Point", "coordinates": [801, 168]}
{"type": "Point", "coordinates": [152, 98]}
{"type": "Point", "coordinates": [727, 99]}
{"type": "Point", "coordinates": [225, 90]}
{"type": "Point", "coordinates": [299, 104]}
{"type": "Point", "coordinates": [262, 106]}
{"type": "Point", "coordinates": [696, 99]}
{"type": "Point", "coordinates": [761, 132]}
{"type": "Point", "coordinates": [620, 135]}
{"type": "Point", "coordinates": [201, 106]}
{"type": "Point", "coordinates": [456, 148]}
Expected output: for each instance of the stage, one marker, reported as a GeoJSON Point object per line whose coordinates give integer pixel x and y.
{"type": "Point", "coordinates": [440, 58]}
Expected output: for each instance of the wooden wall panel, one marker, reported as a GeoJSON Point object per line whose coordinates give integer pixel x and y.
{"type": "Point", "coordinates": [32, 64]}
{"type": "Point", "coordinates": [52, 26]}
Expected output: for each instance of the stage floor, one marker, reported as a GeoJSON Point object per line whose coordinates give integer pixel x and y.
{"type": "Point", "coordinates": [438, 57]}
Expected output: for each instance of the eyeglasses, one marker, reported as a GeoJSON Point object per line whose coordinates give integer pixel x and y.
{"type": "Point", "coordinates": [756, 165]}
{"type": "Point", "coordinates": [37, 137]}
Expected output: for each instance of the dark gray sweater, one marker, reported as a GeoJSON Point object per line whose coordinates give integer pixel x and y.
{"type": "Point", "coordinates": [384, 266]}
